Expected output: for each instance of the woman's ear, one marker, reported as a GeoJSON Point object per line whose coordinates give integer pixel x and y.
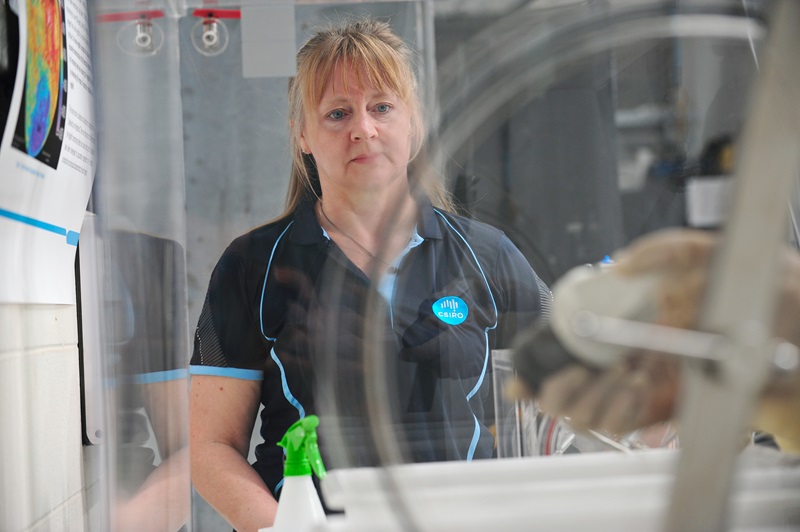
{"type": "Point", "coordinates": [304, 145]}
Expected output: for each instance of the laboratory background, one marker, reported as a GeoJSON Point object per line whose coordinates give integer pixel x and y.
{"type": "Point", "coordinates": [142, 136]}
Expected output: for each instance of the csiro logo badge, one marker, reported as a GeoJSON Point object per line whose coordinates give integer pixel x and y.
{"type": "Point", "coordinates": [451, 309]}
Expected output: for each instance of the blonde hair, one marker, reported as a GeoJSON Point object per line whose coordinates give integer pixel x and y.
{"type": "Point", "coordinates": [382, 60]}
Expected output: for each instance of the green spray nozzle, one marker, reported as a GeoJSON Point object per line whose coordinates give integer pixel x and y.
{"type": "Point", "coordinates": [302, 452]}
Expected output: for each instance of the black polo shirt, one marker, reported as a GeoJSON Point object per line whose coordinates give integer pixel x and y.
{"type": "Point", "coordinates": [286, 306]}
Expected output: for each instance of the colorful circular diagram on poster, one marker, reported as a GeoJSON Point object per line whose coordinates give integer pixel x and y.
{"type": "Point", "coordinates": [44, 73]}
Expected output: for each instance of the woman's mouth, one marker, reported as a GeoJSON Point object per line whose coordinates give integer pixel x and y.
{"type": "Point", "coordinates": [363, 158]}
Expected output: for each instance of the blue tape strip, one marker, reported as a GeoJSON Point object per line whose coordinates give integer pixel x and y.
{"type": "Point", "coordinates": [72, 236]}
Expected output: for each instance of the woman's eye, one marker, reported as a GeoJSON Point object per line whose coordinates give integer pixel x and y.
{"type": "Point", "coordinates": [338, 114]}
{"type": "Point", "coordinates": [383, 107]}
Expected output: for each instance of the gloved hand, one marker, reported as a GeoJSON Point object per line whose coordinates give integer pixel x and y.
{"type": "Point", "coordinates": [641, 389]}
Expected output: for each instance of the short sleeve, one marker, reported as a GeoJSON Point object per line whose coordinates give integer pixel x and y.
{"type": "Point", "coordinates": [228, 339]}
{"type": "Point", "coordinates": [150, 324]}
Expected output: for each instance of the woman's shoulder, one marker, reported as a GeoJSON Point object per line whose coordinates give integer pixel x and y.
{"type": "Point", "coordinates": [259, 240]}
{"type": "Point", "coordinates": [486, 241]}
{"type": "Point", "coordinates": [475, 229]}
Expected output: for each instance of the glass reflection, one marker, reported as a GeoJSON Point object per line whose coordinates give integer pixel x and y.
{"type": "Point", "coordinates": [576, 130]}
{"type": "Point", "coordinates": [139, 201]}
{"type": "Point", "coordinates": [573, 128]}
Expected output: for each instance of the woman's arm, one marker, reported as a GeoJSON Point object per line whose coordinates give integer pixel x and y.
{"type": "Point", "coordinates": [163, 502]}
{"type": "Point", "coordinates": [222, 412]}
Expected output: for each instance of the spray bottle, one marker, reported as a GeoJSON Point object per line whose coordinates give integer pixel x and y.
{"type": "Point", "coordinates": [299, 508]}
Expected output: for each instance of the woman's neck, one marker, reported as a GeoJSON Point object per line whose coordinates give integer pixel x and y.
{"type": "Point", "coordinates": [369, 230]}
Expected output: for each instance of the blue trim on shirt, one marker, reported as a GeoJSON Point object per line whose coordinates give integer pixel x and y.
{"type": "Point", "coordinates": [476, 435]}
{"type": "Point", "coordinates": [161, 376]}
{"type": "Point", "coordinates": [264, 286]}
{"type": "Point", "coordinates": [236, 373]}
{"type": "Point", "coordinates": [287, 393]}
{"type": "Point", "coordinates": [471, 394]}
{"type": "Point", "coordinates": [285, 385]}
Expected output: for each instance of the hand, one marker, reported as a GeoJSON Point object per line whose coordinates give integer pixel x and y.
{"type": "Point", "coordinates": [642, 389]}
{"type": "Point", "coordinates": [682, 259]}
{"type": "Point", "coordinates": [637, 392]}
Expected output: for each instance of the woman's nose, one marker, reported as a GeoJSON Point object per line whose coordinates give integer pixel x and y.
{"type": "Point", "coordinates": [363, 127]}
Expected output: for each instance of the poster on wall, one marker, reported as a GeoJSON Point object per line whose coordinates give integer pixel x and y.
{"type": "Point", "coordinates": [47, 148]}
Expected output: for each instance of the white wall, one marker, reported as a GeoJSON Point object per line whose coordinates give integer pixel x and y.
{"type": "Point", "coordinates": [41, 464]}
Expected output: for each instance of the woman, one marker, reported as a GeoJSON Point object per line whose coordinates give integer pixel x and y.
{"type": "Point", "coordinates": [453, 288]}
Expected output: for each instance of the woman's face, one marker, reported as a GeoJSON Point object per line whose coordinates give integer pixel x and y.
{"type": "Point", "coordinates": [360, 138]}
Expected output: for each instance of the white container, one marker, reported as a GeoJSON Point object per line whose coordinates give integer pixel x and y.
{"type": "Point", "coordinates": [299, 509]}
